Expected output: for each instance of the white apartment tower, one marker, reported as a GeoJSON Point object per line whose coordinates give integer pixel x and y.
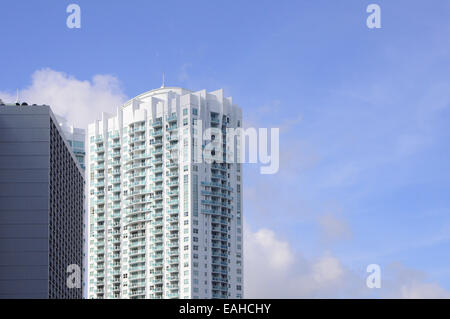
{"type": "Point", "coordinates": [75, 137]}
{"type": "Point", "coordinates": [161, 224]}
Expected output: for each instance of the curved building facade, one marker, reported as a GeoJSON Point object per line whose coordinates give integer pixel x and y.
{"type": "Point", "coordinates": [164, 221]}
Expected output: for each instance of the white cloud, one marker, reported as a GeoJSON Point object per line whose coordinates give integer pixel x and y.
{"type": "Point", "coordinates": [7, 97]}
{"type": "Point", "coordinates": [403, 282]}
{"type": "Point", "coordinates": [80, 101]}
{"type": "Point", "coordinates": [327, 269]}
{"type": "Point", "coordinates": [273, 269]}
{"type": "Point", "coordinates": [419, 290]}
{"type": "Point", "coordinates": [263, 242]}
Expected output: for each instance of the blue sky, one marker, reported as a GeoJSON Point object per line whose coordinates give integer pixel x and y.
{"type": "Point", "coordinates": [364, 173]}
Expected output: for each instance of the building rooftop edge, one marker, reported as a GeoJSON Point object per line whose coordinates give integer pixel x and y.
{"type": "Point", "coordinates": [154, 91]}
{"type": "Point", "coordinates": [29, 107]}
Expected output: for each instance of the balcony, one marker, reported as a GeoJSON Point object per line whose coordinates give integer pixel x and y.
{"type": "Point", "coordinates": [157, 123]}
{"type": "Point", "coordinates": [137, 148]}
{"type": "Point", "coordinates": [134, 252]}
{"type": "Point", "coordinates": [217, 185]}
{"type": "Point", "coordinates": [172, 269]}
{"type": "Point", "coordinates": [138, 284]}
{"type": "Point", "coordinates": [135, 129]}
{"type": "Point", "coordinates": [156, 133]}
{"type": "Point", "coordinates": [156, 142]}
{"type": "Point", "coordinates": [172, 165]}
{"type": "Point", "coordinates": [172, 118]}
{"type": "Point", "coordinates": [172, 137]}
{"type": "Point", "coordinates": [157, 264]}
{"type": "Point", "coordinates": [172, 147]}
{"type": "Point", "coordinates": [172, 220]}
{"type": "Point", "coordinates": [173, 295]}
{"type": "Point", "coordinates": [172, 211]}
{"type": "Point", "coordinates": [115, 145]}
{"type": "Point", "coordinates": [157, 215]}
{"type": "Point", "coordinates": [140, 138]}
{"type": "Point", "coordinates": [172, 183]}
{"type": "Point", "coordinates": [172, 236]}
{"type": "Point", "coordinates": [173, 193]}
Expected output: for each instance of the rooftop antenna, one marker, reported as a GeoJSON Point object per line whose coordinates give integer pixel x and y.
{"type": "Point", "coordinates": [163, 81]}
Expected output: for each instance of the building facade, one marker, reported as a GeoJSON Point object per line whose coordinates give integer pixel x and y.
{"type": "Point", "coordinates": [162, 224]}
{"type": "Point", "coordinates": [76, 139]}
{"type": "Point", "coordinates": [41, 206]}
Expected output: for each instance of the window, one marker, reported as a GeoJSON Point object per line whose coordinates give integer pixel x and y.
{"type": "Point", "coordinates": [194, 111]}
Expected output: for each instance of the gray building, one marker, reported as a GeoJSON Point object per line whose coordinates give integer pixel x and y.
{"type": "Point", "coordinates": [41, 206]}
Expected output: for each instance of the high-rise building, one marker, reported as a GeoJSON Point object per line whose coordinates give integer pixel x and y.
{"type": "Point", "coordinates": [161, 223]}
{"type": "Point", "coordinates": [75, 137]}
{"type": "Point", "coordinates": [41, 206]}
